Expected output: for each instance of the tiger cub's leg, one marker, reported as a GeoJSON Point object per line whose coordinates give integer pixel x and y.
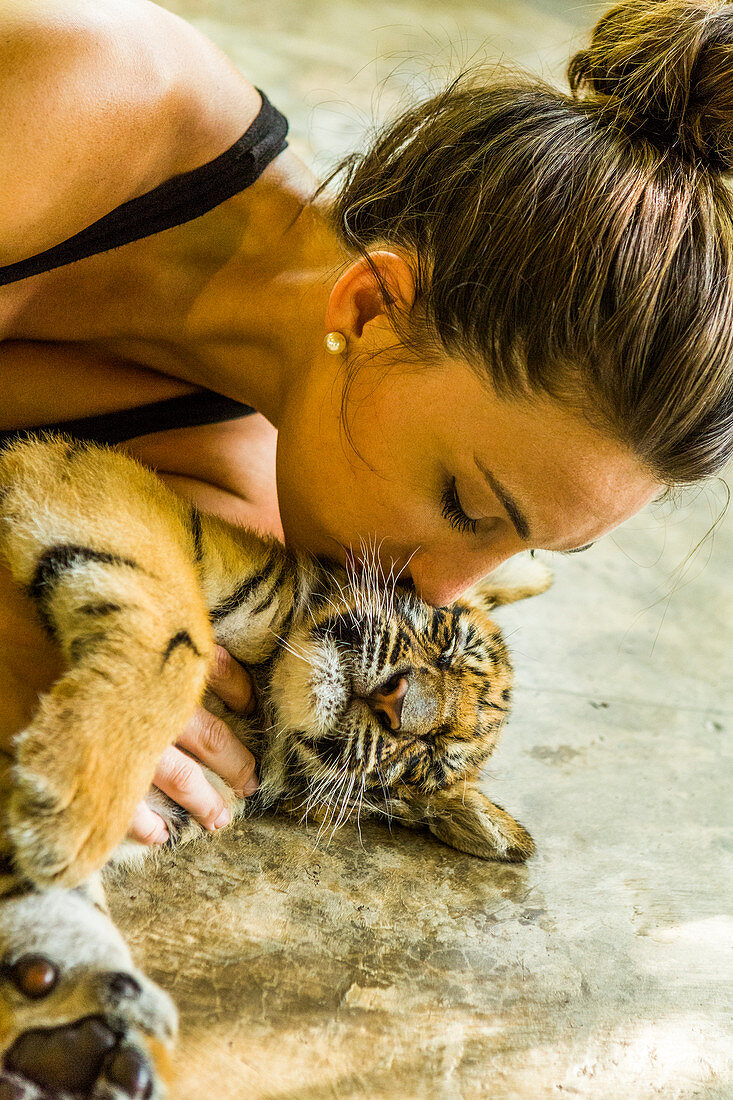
{"type": "Point", "coordinates": [103, 548]}
{"type": "Point", "coordinates": [77, 1018]}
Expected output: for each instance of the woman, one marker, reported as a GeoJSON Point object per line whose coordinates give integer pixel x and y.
{"type": "Point", "coordinates": [510, 328]}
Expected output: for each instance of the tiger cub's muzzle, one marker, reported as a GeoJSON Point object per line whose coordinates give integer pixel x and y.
{"type": "Point", "coordinates": [410, 702]}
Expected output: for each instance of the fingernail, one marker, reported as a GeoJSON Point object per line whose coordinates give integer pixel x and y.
{"type": "Point", "coordinates": [223, 819]}
{"type": "Point", "coordinates": [251, 786]}
{"type": "Point", "coordinates": [161, 837]}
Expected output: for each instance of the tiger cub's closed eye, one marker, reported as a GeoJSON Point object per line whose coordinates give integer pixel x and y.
{"type": "Point", "coordinates": [446, 655]}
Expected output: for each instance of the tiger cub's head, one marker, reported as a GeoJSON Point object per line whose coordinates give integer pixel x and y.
{"type": "Point", "coordinates": [385, 705]}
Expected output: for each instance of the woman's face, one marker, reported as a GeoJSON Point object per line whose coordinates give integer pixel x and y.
{"type": "Point", "coordinates": [444, 477]}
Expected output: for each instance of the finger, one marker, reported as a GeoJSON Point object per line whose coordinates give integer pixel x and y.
{"type": "Point", "coordinates": [212, 742]}
{"type": "Point", "coordinates": [230, 681]}
{"type": "Point", "coordinates": [182, 779]}
{"type": "Point", "coordinates": [147, 827]}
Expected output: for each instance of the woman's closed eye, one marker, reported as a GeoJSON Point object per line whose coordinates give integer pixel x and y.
{"type": "Point", "coordinates": [453, 511]}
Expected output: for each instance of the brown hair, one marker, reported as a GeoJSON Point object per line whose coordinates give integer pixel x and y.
{"type": "Point", "coordinates": [576, 244]}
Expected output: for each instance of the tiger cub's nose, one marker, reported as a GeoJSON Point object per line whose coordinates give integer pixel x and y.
{"type": "Point", "coordinates": [386, 701]}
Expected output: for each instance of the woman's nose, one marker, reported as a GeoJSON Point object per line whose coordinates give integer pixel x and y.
{"type": "Point", "coordinates": [440, 583]}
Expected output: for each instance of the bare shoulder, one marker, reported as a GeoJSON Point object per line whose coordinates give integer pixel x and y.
{"type": "Point", "coordinates": [103, 100]}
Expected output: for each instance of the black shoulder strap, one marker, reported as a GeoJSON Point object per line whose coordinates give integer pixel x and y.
{"type": "Point", "coordinates": [177, 200]}
{"type": "Point", "coordinates": [185, 411]}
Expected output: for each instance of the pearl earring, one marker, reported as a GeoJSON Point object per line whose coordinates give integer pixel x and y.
{"type": "Point", "coordinates": [335, 342]}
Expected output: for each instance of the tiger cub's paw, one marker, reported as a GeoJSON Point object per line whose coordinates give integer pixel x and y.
{"type": "Point", "coordinates": [466, 819]}
{"type": "Point", "coordinates": [77, 1020]}
{"type": "Point", "coordinates": [71, 804]}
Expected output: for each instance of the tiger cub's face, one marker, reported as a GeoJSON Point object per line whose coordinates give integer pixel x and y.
{"type": "Point", "coordinates": [385, 704]}
{"type": "Point", "coordinates": [404, 694]}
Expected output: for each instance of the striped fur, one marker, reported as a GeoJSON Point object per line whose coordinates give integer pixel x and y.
{"type": "Point", "coordinates": [136, 586]}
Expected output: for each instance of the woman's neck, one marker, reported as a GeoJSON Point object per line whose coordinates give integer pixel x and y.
{"type": "Point", "coordinates": [257, 320]}
{"type": "Point", "coordinates": [260, 326]}
{"type": "Point", "coordinates": [233, 301]}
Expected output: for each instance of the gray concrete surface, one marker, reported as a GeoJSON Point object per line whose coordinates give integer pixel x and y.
{"type": "Point", "coordinates": [397, 968]}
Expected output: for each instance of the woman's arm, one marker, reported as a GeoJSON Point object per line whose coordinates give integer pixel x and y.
{"type": "Point", "coordinates": [205, 464]}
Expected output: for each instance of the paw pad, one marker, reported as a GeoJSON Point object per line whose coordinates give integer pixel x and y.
{"type": "Point", "coordinates": [34, 975]}
{"type": "Point", "coordinates": [75, 1060]}
{"type": "Point", "coordinates": [62, 1058]}
{"type": "Point", "coordinates": [128, 1069]}
{"type": "Point", "coordinates": [122, 987]}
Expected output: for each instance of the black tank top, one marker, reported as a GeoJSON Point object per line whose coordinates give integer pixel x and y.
{"type": "Point", "coordinates": [174, 202]}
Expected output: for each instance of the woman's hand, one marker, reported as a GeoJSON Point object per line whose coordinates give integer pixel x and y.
{"type": "Point", "coordinates": [211, 742]}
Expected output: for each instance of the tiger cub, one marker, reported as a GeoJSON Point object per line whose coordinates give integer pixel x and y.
{"type": "Point", "coordinates": [369, 703]}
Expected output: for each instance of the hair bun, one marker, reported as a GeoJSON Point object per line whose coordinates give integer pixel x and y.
{"type": "Point", "coordinates": [664, 69]}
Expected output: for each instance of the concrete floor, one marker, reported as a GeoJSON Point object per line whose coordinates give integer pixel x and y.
{"type": "Point", "coordinates": [400, 969]}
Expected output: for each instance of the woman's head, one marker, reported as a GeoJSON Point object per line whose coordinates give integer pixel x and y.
{"type": "Point", "coordinates": [428, 461]}
{"type": "Point", "coordinates": [572, 255]}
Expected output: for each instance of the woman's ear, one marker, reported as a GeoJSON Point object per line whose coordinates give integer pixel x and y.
{"type": "Point", "coordinates": [464, 818]}
{"type": "Point", "coordinates": [515, 579]}
{"type": "Point", "coordinates": [357, 298]}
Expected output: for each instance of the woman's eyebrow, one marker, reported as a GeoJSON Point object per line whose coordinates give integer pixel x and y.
{"type": "Point", "coordinates": [515, 513]}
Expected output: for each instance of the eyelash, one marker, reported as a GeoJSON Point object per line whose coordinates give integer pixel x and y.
{"type": "Point", "coordinates": [453, 512]}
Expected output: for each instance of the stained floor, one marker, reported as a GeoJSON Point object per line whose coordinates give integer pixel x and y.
{"type": "Point", "coordinates": [393, 967]}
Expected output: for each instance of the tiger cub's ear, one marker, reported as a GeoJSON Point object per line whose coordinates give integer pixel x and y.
{"type": "Point", "coordinates": [515, 579]}
{"type": "Point", "coordinates": [465, 819]}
